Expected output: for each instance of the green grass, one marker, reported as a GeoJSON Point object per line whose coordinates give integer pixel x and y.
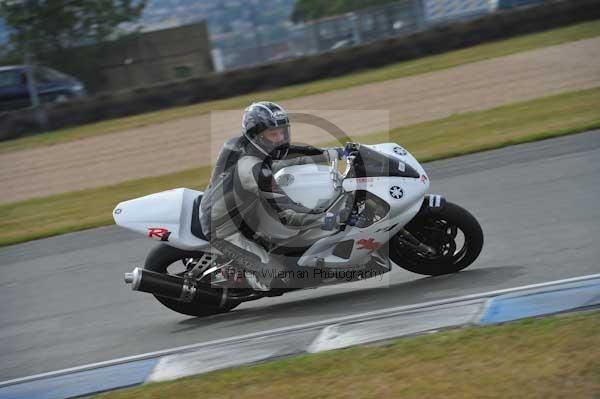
{"type": "Point", "coordinates": [552, 357]}
{"type": "Point", "coordinates": [419, 66]}
{"type": "Point", "coordinates": [518, 123]}
{"type": "Point", "coordinates": [459, 134]}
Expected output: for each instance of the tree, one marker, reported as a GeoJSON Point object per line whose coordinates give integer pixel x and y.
{"type": "Point", "coordinates": [306, 10]}
{"type": "Point", "coordinates": [50, 26]}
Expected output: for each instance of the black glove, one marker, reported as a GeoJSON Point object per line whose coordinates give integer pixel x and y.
{"type": "Point", "coordinates": [350, 149]}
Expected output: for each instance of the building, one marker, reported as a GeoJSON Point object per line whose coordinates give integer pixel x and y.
{"type": "Point", "coordinates": [140, 59]}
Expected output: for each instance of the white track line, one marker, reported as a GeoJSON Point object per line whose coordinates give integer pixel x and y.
{"type": "Point", "coordinates": [284, 330]}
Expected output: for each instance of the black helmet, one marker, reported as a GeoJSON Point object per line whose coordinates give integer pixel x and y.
{"type": "Point", "coordinates": [263, 116]}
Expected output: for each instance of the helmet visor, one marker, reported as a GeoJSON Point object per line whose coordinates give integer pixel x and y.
{"type": "Point", "coordinates": [276, 136]}
{"type": "Point", "coordinates": [274, 141]}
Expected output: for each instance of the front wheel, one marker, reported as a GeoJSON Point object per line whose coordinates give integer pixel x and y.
{"type": "Point", "coordinates": [452, 232]}
{"type": "Point", "coordinates": [167, 260]}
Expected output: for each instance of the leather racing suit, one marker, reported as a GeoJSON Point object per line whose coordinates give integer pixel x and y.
{"type": "Point", "coordinates": [242, 181]}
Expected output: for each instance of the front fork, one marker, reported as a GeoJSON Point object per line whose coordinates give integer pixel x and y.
{"type": "Point", "coordinates": [432, 203]}
{"type": "Point", "coordinates": [407, 239]}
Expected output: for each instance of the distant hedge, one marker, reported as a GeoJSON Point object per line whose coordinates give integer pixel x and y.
{"type": "Point", "coordinates": [439, 39]}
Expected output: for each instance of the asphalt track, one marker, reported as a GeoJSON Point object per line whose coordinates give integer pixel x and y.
{"type": "Point", "coordinates": [63, 302]}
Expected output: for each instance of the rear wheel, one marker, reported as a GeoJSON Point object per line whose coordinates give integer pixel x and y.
{"type": "Point", "coordinates": [169, 260]}
{"type": "Point", "coordinates": [452, 232]}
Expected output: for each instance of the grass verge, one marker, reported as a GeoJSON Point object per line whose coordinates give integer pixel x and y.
{"type": "Point", "coordinates": [459, 134]}
{"type": "Point", "coordinates": [552, 357]}
{"type": "Point", "coordinates": [394, 71]}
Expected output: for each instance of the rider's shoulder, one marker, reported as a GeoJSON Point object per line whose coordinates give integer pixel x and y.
{"type": "Point", "coordinates": [249, 160]}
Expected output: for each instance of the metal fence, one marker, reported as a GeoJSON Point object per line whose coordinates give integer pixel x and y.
{"type": "Point", "coordinates": [243, 49]}
{"type": "Point", "coordinates": [356, 28]}
{"type": "Point", "coordinates": [252, 47]}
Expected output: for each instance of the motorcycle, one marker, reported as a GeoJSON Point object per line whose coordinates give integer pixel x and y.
{"type": "Point", "coordinates": [377, 211]}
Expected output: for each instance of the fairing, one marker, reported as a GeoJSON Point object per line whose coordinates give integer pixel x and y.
{"type": "Point", "coordinates": [164, 216]}
{"type": "Point", "coordinates": [167, 216]}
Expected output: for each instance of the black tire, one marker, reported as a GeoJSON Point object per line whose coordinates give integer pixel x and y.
{"type": "Point", "coordinates": [159, 259]}
{"type": "Point", "coordinates": [436, 229]}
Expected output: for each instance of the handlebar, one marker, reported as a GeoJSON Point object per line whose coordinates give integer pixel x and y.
{"type": "Point", "coordinates": [334, 173]}
{"type": "Point", "coordinates": [348, 153]}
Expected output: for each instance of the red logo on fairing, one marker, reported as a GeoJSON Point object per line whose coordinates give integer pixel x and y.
{"type": "Point", "coordinates": [369, 244]}
{"type": "Point", "coordinates": [159, 232]}
{"type": "Point", "coordinates": [423, 179]}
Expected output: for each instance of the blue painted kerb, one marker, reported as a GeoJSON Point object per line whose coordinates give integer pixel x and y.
{"type": "Point", "coordinates": [543, 301]}
{"type": "Point", "coordinates": [534, 302]}
{"type": "Point", "coordinates": [82, 382]}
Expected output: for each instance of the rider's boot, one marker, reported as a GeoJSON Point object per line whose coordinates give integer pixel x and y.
{"type": "Point", "coordinates": [259, 272]}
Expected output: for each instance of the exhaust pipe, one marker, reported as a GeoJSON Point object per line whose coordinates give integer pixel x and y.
{"type": "Point", "coordinates": [173, 287]}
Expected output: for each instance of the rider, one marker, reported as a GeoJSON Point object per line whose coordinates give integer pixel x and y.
{"type": "Point", "coordinates": [243, 180]}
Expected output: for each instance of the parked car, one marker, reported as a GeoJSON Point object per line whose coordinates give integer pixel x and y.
{"type": "Point", "coordinates": [51, 85]}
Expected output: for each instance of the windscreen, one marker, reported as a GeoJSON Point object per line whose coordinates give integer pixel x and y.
{"type": "Point", "coordinates": [9, 78]}
{"type": "Point", "coordinates": [371, 163]}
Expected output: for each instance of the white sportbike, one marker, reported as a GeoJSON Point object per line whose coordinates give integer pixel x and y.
{"type": "Point", "coordinates": [374, 213]}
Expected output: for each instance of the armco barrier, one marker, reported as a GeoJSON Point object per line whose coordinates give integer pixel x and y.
{"type": "Point", "coordinates": [439, 39]}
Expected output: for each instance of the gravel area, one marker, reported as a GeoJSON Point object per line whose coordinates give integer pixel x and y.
{"type": "Point", "coordinates": [193, 142]}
